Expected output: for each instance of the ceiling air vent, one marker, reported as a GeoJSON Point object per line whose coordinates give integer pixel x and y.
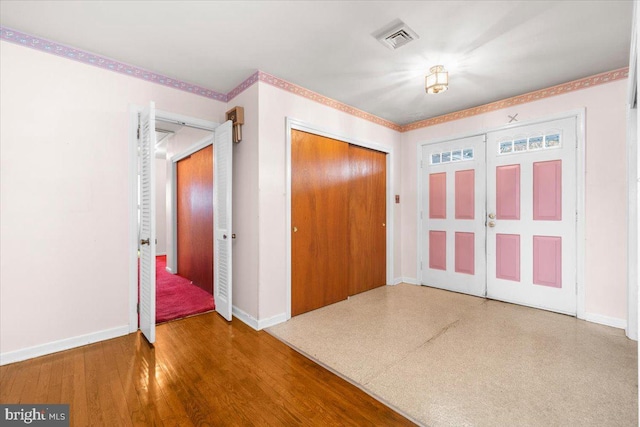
{"type": "Point", "coordinates": [395, 35]}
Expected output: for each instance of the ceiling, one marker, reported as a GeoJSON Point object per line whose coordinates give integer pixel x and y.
{"type": "Point", "coordinates": [492, 49]}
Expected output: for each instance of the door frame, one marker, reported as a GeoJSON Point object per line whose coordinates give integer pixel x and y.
{"type": "Point", "coordinates": [579, 115]}
{"type": "Point", "coordinates": [132, 179]}
{"type": "Point", "coordinates": [294, 124]}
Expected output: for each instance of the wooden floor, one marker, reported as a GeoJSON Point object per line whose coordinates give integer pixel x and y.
{"type": "Point", "coordinates": [202, 371]}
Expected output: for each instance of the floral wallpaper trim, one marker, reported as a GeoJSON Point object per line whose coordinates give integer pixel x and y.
{"type": "Point", "coordinates": [58, 49]}
{"type": "Point", "coordinates": [253, 78]}
{"type": "Point", "coordinates": [332, 103]}
{"type": "Point", "coordinates": [537, 95]}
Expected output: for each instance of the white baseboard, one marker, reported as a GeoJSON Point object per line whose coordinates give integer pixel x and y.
{"type": "Point", "coordinates": [606, 320]}
{"type": "Point", "coordinates": [169, 270]}
{"type": "Point", "coordinates": [245, 317]}
{"type": "Point", "coordinates": [255, 323]}
{"type": "Point", "coordinates": [409, 280]}
{"type": "Point", "coordinates": [61, 345]}
{"type": "Point", "coordinates": [272, 321]}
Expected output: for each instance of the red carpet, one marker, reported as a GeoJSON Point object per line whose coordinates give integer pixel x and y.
{"type": "Point", "coordinates": [176, 296]}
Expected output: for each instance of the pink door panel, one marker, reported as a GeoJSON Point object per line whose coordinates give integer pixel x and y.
{"type": "Point", "coordinates": [508, 192]}
{"type": "Point", "coordinates": [438, 250]}
{"type": "Point", "coordinates": [465, 253]}
{"type": "Point", "coordinates": [508, 256]}
{"type": "Point", "coordinates": [438, 195]}
{"type": "Point", "coordinates": [547, 190]}
{"type": "Point", "coordinates": [547, 261]}
{"type": "Point", "coordinates": [465, 194]}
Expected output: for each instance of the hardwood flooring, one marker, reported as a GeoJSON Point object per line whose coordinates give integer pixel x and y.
{"type": "Point", "coordinates": [202, 371]}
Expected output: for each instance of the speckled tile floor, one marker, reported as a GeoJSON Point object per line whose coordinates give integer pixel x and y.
{"type": "Point", "coordinates": [447, 359]}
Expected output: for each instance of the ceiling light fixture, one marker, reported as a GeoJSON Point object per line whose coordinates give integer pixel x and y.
{"type": "Point", "coordinates": [437, 81]}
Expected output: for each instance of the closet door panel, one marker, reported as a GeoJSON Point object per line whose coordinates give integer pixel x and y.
{"type": "Point", "coordinates": [195, 218]}
{"type": "Point", "coordinates": [367, 219]}
{"type": "Point", "coordinates": [319, 217]}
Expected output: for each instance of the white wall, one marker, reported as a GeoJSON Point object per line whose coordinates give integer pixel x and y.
{"type": "Point", "coordinates": [64, 194]}
{"type": "Point", "coordinates": [161, 206]}
{"type": "Point", "coordinates": [606, 198]}
{"type": "Point", "coordinates": [633, 187]}
{"type": "Point", "coordinates": [275, 105]}
{"type": "Point", "coordinates": [632, 183]}
{"type": "Point", "coordinates": [245, 207]}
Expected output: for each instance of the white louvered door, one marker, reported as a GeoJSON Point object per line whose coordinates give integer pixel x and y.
{"type": "Point", "coordinates": [222, 169]}
{"type": "Point", "coordinates": [147, 299]}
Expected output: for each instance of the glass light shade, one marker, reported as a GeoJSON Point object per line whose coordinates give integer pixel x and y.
{"type": "Point", "coordinates": [437, 81]}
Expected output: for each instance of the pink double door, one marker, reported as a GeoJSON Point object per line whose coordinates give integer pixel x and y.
{"type": "Point", "coordinates": [503, 224]}
{"type": "Point", "coordinates": [453, 215]}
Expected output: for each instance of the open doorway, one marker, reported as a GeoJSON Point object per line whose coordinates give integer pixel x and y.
{"type": "Point", "coordinates": [185, 223]}
{"type": "Point", "coordinates": [143, 237]}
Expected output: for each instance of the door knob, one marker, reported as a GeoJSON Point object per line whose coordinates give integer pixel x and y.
{"type": "Point", "coordinates": [144, 241]}
{"type": "Point", "coordinates": [224, 236]}
{"type": "Point", "coordinates": [492, 216]}
{"type": "Point", "coordinates": [384, 225]}
{"type": "Point", "coordinates": [295, 229]}
{"type": "Point", "coordinates": [491, 224]}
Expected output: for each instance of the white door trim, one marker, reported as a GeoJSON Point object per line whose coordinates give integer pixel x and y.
{"type": "Point", "coordinates": [579, 114]}
{"type": "Point", "coordinates": [133, 217]}
{"type": "Point", "coordinates": [193, 148]}
{"type": "Point", "coordinates": [133, 195]}
{"type": "Point", "coordinates": [294, 124]}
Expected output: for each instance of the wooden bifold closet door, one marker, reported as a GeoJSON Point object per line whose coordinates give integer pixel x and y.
{"type": "Point", "coordinates": [338, 211]}
{"type": "Point", "coordinates": [194, 186]}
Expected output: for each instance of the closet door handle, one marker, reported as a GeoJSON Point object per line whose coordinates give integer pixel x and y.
{"type": "Point", "coordinates": [144, 241]}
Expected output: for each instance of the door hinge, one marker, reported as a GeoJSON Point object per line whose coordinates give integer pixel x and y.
{"type": "Point", "coordinates": [420, 265]}
{"type": "Point", "coordinates": [421, 163]}
{"type": "Point", "coordinates": [420, 214]}
{"type": "Point", "coordinates": [138, 308]}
